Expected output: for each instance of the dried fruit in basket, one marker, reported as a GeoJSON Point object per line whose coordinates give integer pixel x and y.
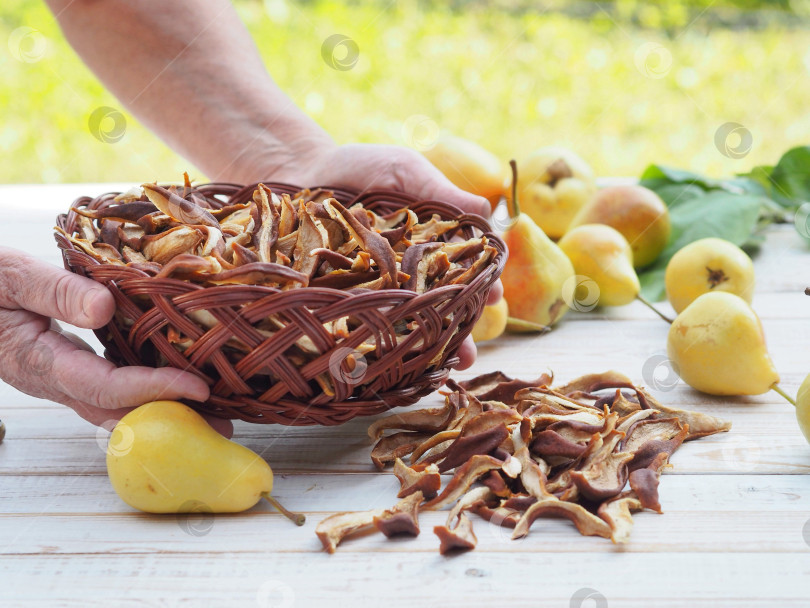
{"type": "Point", "coordinates": [284, 242]}
{"type": "Point", "coordinates": [520, 451]}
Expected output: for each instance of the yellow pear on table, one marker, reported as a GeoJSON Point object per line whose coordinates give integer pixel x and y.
{"type": "Point", "coordinates": [718, 347]}
{"type": "Point", "coordinates": [536, 270]}
{"type": "Point", "coordinates": [553, 185]}
{"type": "Point", "coordinates": [603, 255]}
{"type": "Point", "coordinates": [492, 322]}
{"type": "Point", "coordinates": [803, 408]}
{"type": "Point", "coordinates": [709, 264]}
{"type": "Point", "coordinates": [163, 457]}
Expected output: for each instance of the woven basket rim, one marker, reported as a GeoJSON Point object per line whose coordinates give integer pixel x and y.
{"type": "Point", "coordinates": [495, 266]}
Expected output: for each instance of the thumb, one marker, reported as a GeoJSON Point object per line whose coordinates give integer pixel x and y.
{"type": "Point", "coordinates": [29, 284]}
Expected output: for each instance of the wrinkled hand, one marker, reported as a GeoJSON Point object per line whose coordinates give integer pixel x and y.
{"type": "Point", "coordinates": [40, 359]}
{"type": "Point", "coordinates": [368, 166]}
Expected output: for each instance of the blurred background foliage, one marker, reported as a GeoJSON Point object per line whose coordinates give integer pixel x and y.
{"type": "Point", "coordinates": [623, 83]}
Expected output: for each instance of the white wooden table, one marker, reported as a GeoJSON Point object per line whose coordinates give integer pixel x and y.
{"type": "Point", "coordinates": [735, 532]}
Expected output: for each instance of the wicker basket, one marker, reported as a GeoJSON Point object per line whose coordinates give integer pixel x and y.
{"type": "Point", "coordinates": [266, 385]}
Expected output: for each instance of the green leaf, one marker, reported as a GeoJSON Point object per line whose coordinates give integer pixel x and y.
{"type": "Point", "coordinates": [790, 178]}
{"type": "Point", "coordinates": [678, 176]}
{"type": "Point", "coordinates": [674, 194]}
{"type": "Point", "coordinates": [716, 214]}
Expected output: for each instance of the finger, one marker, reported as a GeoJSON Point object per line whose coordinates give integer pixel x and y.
{"type": "Point", "coordinates": [434, 185]}
{"type": "Point", "coordinates": [495, 292]}
{"type": "Point", "coordinates": [90, 379]}
{"type": "Point", "coordinates": [30, 284]}
{"type": "Point", "coordinates": [466, 353]}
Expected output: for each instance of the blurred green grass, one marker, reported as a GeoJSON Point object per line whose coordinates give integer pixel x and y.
{"type": "Point", "coordinates": [624, 86]}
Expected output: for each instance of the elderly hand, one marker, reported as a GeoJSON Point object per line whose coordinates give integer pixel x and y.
{"type": "Point", "coordinates": [40, 359]}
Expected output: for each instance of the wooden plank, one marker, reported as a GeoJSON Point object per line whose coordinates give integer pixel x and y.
{"type": "Point", "coordinates": [749, 416]}
{"type": "Point", "coordinates": [771, 531]}
{"type": "Point", "coordinates": [82, 494]}
{"type": "Point", "coordinates": [634, 580]}
{"type": "Point", "coordinates": [334, 450]}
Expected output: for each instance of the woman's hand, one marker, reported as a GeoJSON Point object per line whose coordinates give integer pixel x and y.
{"type": "Point", "coordinates": [40, 359]}
{"type": "Point", "coordinates": [369, 166]}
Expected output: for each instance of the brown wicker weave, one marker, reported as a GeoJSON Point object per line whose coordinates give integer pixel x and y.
{"type": "Point", "coordinates": [266, 385]}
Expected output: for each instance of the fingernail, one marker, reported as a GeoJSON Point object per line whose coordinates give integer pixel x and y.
{"type": "Point", "coordinates": [87, 303]}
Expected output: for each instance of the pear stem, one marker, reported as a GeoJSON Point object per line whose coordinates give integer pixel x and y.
{"type": "Point", "coordinates": [297, 518]}
{"type": "Point", "coordinates": [515, 210]}
{"type": "Point", "coordinates": [778, 389]}
{"type": "Point", "coordinates": [514, 323]}
{"type": "Point", "coordinates": [650, 305]}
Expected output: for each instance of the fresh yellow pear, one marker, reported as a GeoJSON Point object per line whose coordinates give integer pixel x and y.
{"type": "Point", "coordinates": [536, 270]}
{"type": "Point", "coordinates": [492, 322]}
{"type": "Point", "coordinates": [554, 184]}
{"type": "Point", "coordinates": [635, 211]}
{"type": "Point", "coordinates": [163, 457]}
{"type": "Point", "coordinates": [705, 265]}
{"type": "Point", "coordinates": [603, 255]}
{"type": "Point", "coordinates": [469, 166]}
{"type": "Point", "coordinates": [803, 408]}
{"type": "Point", "coordinates": [718, 347]}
